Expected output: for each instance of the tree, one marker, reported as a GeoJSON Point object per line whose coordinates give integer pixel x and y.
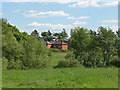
{"type": "Point", "coordinates": [20, 50]}
{"type": "Point", "coordinates": [107, 40]}
{"type": "Point", "coordinates": [56, 35]}
{"type": "Point", "coordinates": [47, 36]}
{"type": "Point", "coordinates": [11, 48]}
{"type": "Point", "coordinates": [63, 35]}
{"type": "Point", "coordinates": [95, 50]}
{"type": "Point", "coordinates": [35, 33]}
{"type": "Point", "coordinates": [118, 42]}
{"type": "Point", "coordinates": [80, 40]}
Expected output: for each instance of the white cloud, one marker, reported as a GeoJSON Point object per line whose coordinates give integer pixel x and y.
{"type": "Point", "coordinates": [18, 10]}
{"type": "Point", "coordinates": [49, 26]}
{"type": "Point", "coordinates": [114, 28]}
{"type": "Point", "coordinates": [37, 14]}
{"type": "Point", "coordinates": [110, 21]}
{"type": "Point", "coordinates": [54, 27]}
{"type": "Point", "coordinates": [79, 23]}
{"type": "Point", "coordinates": [82, 17]}
{"type": "Point", "coordinates": [94, 3]}
{"type": "Point", "coordinates": [85, 4]}
{"type": "Point", "coordinates": [107, 4]}
{"type": "Point", "coordinates": [31, 11]}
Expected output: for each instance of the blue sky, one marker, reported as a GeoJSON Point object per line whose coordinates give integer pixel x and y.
{"type": "Point", "coordinates": [55, 16]}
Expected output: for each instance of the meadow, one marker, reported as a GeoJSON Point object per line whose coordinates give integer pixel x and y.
{"type": "Point", "coordinates": [78, 77]}
{"type": "Point", "coordinates": [61, 78]}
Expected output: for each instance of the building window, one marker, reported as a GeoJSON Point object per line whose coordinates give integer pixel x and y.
{"type": "Point", "coordinates": [59, 46]}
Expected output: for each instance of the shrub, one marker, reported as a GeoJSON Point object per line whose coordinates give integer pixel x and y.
{"type": "Point", "coordinates": [18, 64]}
{"type": "Point", "coordinates": [64, 63]}
{"type": "Point", "coordinates": [11, 64]}
{"type": "Point", "coordinates": [69, 61]}
{"type": "Point", "coordinates": [115, 61]}
{"type": "Point", "coordinates": [70, 55]}
{"type": "Point", "coordinates": [4, 63]}
{"type": "Point", "coordinates": [49, 54]}
{"type": "Point", "coordinates": [92, 59]}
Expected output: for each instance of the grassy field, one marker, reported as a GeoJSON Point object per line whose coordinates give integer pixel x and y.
{"type": "Point", "coordinates": [56, 57]}
{"type": "Point", "coordinates": [61, 77]}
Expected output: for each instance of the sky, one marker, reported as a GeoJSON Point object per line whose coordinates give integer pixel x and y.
{"type": "Point", "coordinates": [54, 15]}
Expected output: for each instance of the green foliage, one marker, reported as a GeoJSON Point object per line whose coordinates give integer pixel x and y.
{"type": "Point", "coordinates": [11, 48]}
{"type": "Point", "coordinates": [4, 63]}
{"type": "Point", "coordinates": [48, 36]}
{"type": "Point", "coordinates": [95, 50]}
{"type": "Point", "coordinates": [90, 48]}
{"type": "Point", "coordinates": [117, 43]}
{"type": "Point", "coordinates": [63, 63]}
{"type": "Point", "coordinates": [69, 61]}
{"type": "Point", "coordinates": [79, 40]}
{"type": "Point", "coordinates": [22, 51]}
{"type": "Point", "coordinates": [35, 33]}
{"type": "Point", "coordinates": [35, 53]}
{"type": "Point", "coordinates": [12, 64]}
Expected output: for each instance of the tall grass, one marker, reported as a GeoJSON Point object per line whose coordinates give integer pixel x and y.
{"type": "Point", "coordinates": [61, 78]}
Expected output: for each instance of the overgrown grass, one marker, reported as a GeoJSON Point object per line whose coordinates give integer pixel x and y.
{"type": "Point", "coordinates": [56, 57]}
{"type": "Point", "coordinates": [78, 77]}
{"type": "Point", "coordinates": [61, 78]}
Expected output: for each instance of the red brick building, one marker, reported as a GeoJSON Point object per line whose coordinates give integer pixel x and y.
{"type": "Point", "coordinates": [64, 45]}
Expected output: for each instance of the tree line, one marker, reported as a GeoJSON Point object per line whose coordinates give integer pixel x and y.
{"type": "Point", "coordinates": [99, 48]}
{"type": "Point", "coordinates": [88, 48]}
{"type": "Point", "coordinates": [49, 36]}
{"type": "Point", "coordinates": [22, 51]}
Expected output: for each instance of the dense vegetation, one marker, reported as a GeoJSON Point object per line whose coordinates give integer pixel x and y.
{"type": "Point", "coordinates": [78, 77]}
{"type": "Point", "coordinates": [49, 36]}
{"type": "Point", "coordinates": [20, 50]}
{"type": "Point", "coordinates": [96, 49]}
{"type": "Point", "coordinates": [88, 48]}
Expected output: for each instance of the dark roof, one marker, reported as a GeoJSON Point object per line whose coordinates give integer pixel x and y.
{"type": "Point", "coordinates": [55, 42]}
{"type": "Point", "coordinates": [64, 43]}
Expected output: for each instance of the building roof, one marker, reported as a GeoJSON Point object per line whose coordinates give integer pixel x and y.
{"type": "Point", "coordinates": [55, 42]}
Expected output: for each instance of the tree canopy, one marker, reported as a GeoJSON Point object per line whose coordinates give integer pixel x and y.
{"type": "Point", "coordinates": [48, 36]}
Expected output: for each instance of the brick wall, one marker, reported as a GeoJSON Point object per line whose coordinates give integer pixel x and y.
{"type": "Point", "coordinates": [64, 47]}
{"type": "Point", "coordinates": [49, 45]}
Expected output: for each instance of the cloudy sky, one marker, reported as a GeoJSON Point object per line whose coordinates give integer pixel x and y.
{"type": "Point", "coordinates": [55, 15]}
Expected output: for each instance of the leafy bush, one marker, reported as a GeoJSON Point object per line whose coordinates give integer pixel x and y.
{"type": "Point", "coordinates": [4, 63]}
{"type": "Point", "coordinates": [96, 49]}
{"type": "Point", "coordinates": [69, 61]}
{"type": "Point", "coordinates": [18, 64]}
{"type": "Point", "coordinates": [22, 51]}
{"type": "Point", "coordinates": [92, 59]}
{"type": "Point", "coordinates": [63, 63]}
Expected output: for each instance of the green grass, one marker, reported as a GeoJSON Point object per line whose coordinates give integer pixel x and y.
{"type": "Point", "coordinates": [61, 78]}
{"type": "Point", "coordinates": [56, 57]}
